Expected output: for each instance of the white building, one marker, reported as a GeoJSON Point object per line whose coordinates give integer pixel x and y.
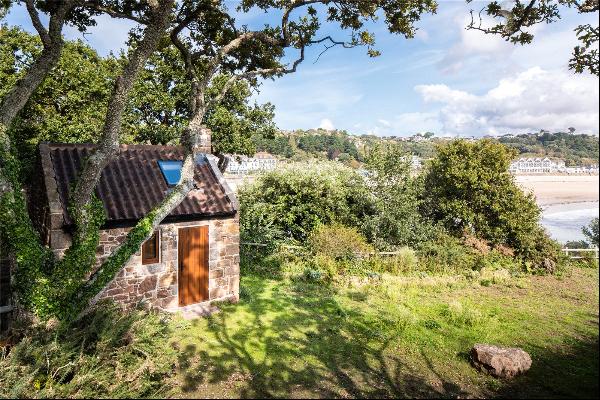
{"type": "Point", "coordinates": [592, 169]}
{"type": "Point", "coordinates": [537, 165]}
{"type": "Point", "coordinates": [416, 162]}
{"type": "Point", "coordinates": [261, 162]}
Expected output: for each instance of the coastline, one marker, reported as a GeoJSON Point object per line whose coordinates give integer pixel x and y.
{"type": "Point", "coordinates": [567, 202]}
{"type": "Point", "coordinates": [561, 189]}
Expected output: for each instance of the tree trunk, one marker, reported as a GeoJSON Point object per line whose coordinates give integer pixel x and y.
{"type": "Point", "coordinates": [16, 99]}
{"type": "Point", "coordinates": [109, 142]}
{"type": "Point", "coordinates": [192, 139]}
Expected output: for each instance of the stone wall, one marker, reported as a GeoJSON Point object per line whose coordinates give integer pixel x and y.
{"type": "Point", "coordinates": [156, 284]}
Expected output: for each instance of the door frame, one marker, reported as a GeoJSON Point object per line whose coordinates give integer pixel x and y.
{"type": "Point", "coordinates": [177, 266]}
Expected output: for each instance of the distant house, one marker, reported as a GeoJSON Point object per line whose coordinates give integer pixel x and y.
{"type": "Point", "coordinates": [261, 162]}
{"type": "Point", "coordinates": [592, 169]}
{"type": "Point", "coordinates": [416, 162]}
{"type": "Point", "coordinates": [193, 256]}
{"type": "Point", "coordinates": [536, 165]}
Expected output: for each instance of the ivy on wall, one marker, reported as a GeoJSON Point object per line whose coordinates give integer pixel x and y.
{"type": "Point", "coordinates": [45, 285]}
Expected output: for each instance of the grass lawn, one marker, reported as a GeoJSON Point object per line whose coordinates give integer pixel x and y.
{"type": "Point", "coordinates": [401, 338]}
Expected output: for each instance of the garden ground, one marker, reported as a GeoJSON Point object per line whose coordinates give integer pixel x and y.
{"type": "Point", "coordinates": [402, 337]}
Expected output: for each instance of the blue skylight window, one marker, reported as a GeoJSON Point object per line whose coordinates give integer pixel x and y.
{"type": "Point", "coordinates": [171, 170]}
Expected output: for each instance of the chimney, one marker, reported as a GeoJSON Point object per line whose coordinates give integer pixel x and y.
{"type": "Point", "coordinates": [204, 143]}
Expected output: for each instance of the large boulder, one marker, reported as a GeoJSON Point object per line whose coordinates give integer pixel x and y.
{"type": "Point", "coordinates": [501, 362]}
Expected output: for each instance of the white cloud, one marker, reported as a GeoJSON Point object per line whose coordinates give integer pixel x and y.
{"type": "Point", "coordinates": [327, 124]}
{"type": "Point", "coordinates": [473, 46]}
{"type": "Point", "coordinates": [524, 102]}
{"type": "Point", "coordinates": [405, 124]}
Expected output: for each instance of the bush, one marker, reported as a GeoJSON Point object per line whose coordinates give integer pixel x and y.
{"type": "Point", "coordinates": [468, 189]}
{"type": "Point", "coordinates": [592, 232]}
{"type": "Point", "coordinates": [397, 221]}
{"type": "Point", "coordinates": [543, 255]}
{"type": "Point", "coordinates": [447, 254]}
{"type": "Point", "coordinates": [339, 242]}
{"type": "Point", "coordinates": [290, 202]}
{"type": "Point", "coordinates": [589, 260]}
{"type": "Point", "coordinates": [406, 261]}
{"type": "Point", "coordinates": [480, 245]}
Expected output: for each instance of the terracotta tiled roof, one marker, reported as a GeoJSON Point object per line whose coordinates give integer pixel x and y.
{"type": "Point", "coordinates": [132, 184]}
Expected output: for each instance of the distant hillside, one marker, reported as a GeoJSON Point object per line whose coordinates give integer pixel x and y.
{"type": "Point", "coordinates": [315, 143]}
{"type": "Point", "coordinates": [575, 149]}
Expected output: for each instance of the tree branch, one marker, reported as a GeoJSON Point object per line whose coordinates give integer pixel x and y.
{"type": "Point", "coordinates": [37, 24]}
{"type": "Point", "coordinates": [109, 142]}
{"type": "Point", "coordinates": [14, 101]}
{"type": "Point", "coordinates": [92, 5]}
{"type": "Point", "coordinates": [259, 72]}
{"type": "Point", "coordinates": [334, 43]}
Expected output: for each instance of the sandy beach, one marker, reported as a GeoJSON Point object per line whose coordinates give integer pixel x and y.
{"type": "Point", "coordinates": [561, 189]}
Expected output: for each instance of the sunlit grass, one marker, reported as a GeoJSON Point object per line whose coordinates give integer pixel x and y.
{"type": "Point", "coordinates": [398, 337]}
{"type": "Point", "coordinates": [289, 338]}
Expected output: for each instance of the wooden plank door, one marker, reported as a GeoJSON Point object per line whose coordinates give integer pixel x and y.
{"type": "Point", "coordinates": [193, 265]}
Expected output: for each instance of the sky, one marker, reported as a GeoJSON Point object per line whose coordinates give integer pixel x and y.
{"type": "Point", "coordinates": [446, 80]}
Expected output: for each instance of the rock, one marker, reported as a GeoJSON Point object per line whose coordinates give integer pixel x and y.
{"type": "Point", "coordinates": [501, 362]}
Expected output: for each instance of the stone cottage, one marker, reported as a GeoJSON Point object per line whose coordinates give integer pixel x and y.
{"type": "Point", "coordinates": [192, 259]}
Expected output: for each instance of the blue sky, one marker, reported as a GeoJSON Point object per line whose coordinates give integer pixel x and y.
{"type": "Point", "coordinates": [446, 80]}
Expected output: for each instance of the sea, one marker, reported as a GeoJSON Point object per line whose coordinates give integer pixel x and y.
{"type": "Point", "coordinates": [564, 221]}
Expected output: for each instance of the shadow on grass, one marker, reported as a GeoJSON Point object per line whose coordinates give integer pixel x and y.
{"type": "Point", "coordinates": [568, 372]}
{"type": "Point", "coordinates": [298, 341]}
{"type": "Point", "coordinates": [309, 346]}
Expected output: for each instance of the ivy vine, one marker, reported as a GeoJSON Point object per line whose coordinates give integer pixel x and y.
{"type": "Point", "coordinates": [59, 288]}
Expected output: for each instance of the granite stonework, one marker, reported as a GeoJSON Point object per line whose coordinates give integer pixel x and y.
{"type": "Point", "coordinates": [155, 285]}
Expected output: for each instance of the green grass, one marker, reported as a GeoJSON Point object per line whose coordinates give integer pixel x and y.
{"type": "Point", "coordinates": [400, 338]}
{"type": "Point", "coordinates": [404, 337]}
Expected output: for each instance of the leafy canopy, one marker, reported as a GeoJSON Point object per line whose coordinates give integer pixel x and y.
{"type": "Point", "coordinates": [70, 105]}
{"type": "Point", "coordinates": [398, 221]}
{"type": "Point", "coordinates": [469, 190]}
{"type": "Point", "coordinates": [287, 204]}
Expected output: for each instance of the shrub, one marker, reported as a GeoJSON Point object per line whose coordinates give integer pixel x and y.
{"type": "Point", "coordinates": [397, 221]}
{"type": "Point", "coordinates": [589, 260]}
{"type": "Point", "coordinates": [505, 250]}
{"type": "Point", "coordinates": [406, 261]}
{"type": "Point", "coordinates": [480, 245]}
{"type": "Point", "coordinates": [446, 254]}
{"type": "Point", "coordinates": [543, 255]}
{"type": "Point", "coordinates": [290, 202]}
{"type": "Point", "coordinates": [468, 189]}
{"type": "Point", "coordinates": [312, 275]}
{"type": "Point", "coordinates": [339, 242]}
{"type": "Point", "coordinates": [592, 232]}
{"type": "Point", "coordinates": [495, 260]}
